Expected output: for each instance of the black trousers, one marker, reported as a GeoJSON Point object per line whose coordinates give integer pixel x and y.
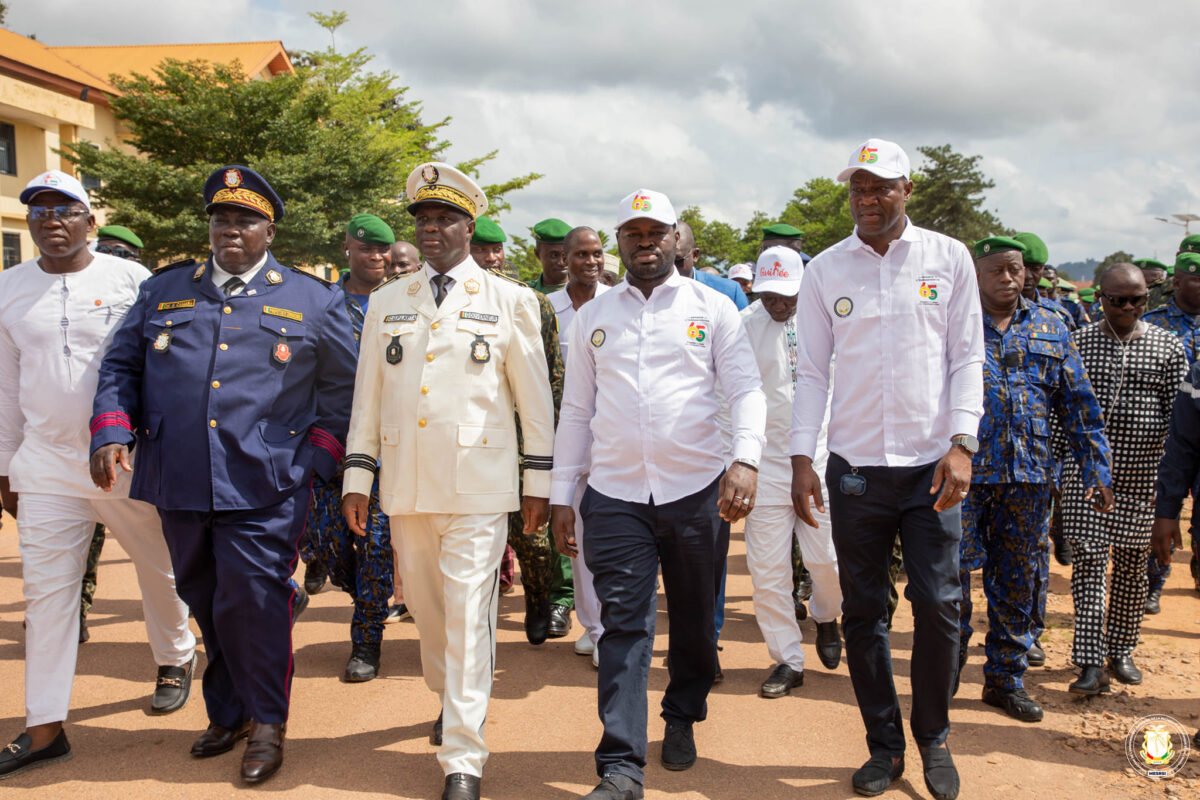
{"type": "Point", "coordinates": [624, 544]}
{"type": "Point", "coordinates": [864, 528]}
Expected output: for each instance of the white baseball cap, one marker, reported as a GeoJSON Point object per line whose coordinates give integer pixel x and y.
{"type": "Point", "coordinates": [646, 204]}
{"type": "Point", "coordinates": [779, 270]}
{"type": "Point", "coordinates": [879, 157]}
{"type": "Point", "coordinates": [743, 271]}
{"type": "Point", "coordinates": [55, 181]}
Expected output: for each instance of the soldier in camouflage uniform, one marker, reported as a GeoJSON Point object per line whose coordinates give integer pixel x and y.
{"type": "Point", "coordinates": [1031, 370]}
{"type": "Point", "coordinates": [1157, 275]}
{"type": "Point", "coordinates": [541, 574]}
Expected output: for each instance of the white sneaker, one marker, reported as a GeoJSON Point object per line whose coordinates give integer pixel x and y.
{"type": "Point", "coordinates": [596, 656]}
{"type": "Point", "coordinates": [584, 646]}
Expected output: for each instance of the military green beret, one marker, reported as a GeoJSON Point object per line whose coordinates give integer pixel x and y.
{"type": "Point", "coordinates": [1063, 283]}
{"type": "Point", "coordinates": [1087, 294]}
{"type": "Point", "coordinates": [487, 232]}
{"type": "Point", "coordinates": [781, 230]}
{"type": "Point", "coordinates": [119, 232]}
{"type": "Point", "coordinates": [997, 244]}
{"type": "Point", "coordinates": [551, 231]}
{"type": "Point", "coordinates": [1188, 263]}
{"type": "Point", "coordinates": [370, 229]}
{"type": "Point", "coordinates": [1035, 248]}
{"type": "Point", "coordinates": [1045, 283]}
{"type": "Point", "coordinates": [1190, 244]}
{"type": "Point", "coordinates": [1149, 263]}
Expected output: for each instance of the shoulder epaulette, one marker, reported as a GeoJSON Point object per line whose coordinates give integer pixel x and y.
{"type": "Point", "coordinates": [386, 281]}
{"type": "Point", "coordinates": [509, 279]}
{"type": "Point", "coordinates": [316, 278]}
{"type": "Point", "coordinates": [187, 262]}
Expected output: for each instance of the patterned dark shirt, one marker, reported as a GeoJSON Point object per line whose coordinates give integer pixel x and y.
{"type": "Point", "coordinates": [1174, 319]}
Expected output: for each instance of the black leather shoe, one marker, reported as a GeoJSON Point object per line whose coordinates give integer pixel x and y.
{"type": "Point", "coordinates": [560, 621]}
{"type": "Point", "coordinates": [299, 604]}
{"type": "Point", "coordinates": [874, 777]}
{"type": "Point", "coordinates": [172, 688]}
{"type": "Point", "coordinates": [217, 740]}
{"type": "Point", "coordinates": [18, 758]}
{"type": "Point", "coordinates": [461, 786]}
{"type": "Point", "coordinates": [616, 787]}
{"type": "Point", "coordinates": [537, 617]}
{"type": "Point", "coordinates": [1092, 681]}
{"type": "Point", "coordinates": [1123, 669]}
{"type": "Point", "coordinates": [264, 752]}
{"type": "Point", "coordinates": [801, 609]}
{"type": "Point", "coordinates": [435, 736]}
{"type": "Point", "coordinates": [1153, 602]}
{"type": "Point", "coordinates": [363, 664]}
{"type": "Point", "coordinates": [1036, 655]}
{"type": "Point", "coordinates": [314, 577]}
{"type": "Point", "coordinates": [829, 644]}
{"type": "Point", "coordinates": [962, 664]}
{"type": "Point", "coordinates": [1015, 703]}
{"type": "Point", "coordinates": [679, 747]}
{"type": "Point", "coordinates": [941, 776]}
{"type": "Point", "coordinates": [1064, 554]}
{"type": "Point", "coordinates": [781, 681]}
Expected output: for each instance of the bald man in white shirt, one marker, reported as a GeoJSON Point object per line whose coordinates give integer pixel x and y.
{"type": "Point", "coordinates": [899, 307]}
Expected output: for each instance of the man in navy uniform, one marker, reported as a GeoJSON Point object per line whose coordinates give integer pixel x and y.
{"type": "Point", "coordinates": [233, 378]}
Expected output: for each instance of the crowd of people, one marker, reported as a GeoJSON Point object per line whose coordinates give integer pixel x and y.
{"type": "Point", "coordinates": [423, 427]}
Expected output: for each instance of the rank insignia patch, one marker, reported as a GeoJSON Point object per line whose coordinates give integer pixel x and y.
{"type": "Point", "coordinates": [162, 341]}
{"type": "Point", "coordinates": [413, 288]}
{"type": "Point", "coordinates": [472, 286]}
{"type": "Point", "coordinates": [274, 277]}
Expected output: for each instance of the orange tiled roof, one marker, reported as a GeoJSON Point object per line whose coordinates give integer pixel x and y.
{"type": "Point", "coordinates": [128, 59]}
{"type": "Point", "coordinates": [18, 51]}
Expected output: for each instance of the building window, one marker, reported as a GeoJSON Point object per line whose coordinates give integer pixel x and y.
{"type": "Point", "coordinates": [12, 249]}
{"type": "Point", "coordinates": [8, 149]}
{"type": "Point", "coordinates": [90, 182]}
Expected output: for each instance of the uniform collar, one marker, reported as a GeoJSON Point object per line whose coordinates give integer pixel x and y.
{"type": "Point", "coordinates": [219, 276]}
{"type": "Point", "coordinates": [909, 234]}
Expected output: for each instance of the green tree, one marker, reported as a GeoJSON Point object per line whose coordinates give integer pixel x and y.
{"type": "Point", "coordinates": [948, 196]}
{"type": "Point", "coordinates": [334, 140]}
{"type": "Point", "coordinates": [1112, 258]}
{"type": "Point", "coordinates": [820, 208]}
{"type": "Point", "coordinates": [720, 243]}
{"type": "Point", "coordinates": [3, 12]}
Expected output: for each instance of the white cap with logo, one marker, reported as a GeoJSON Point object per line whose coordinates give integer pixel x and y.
{"type": "Point", "coordinates": [779, 270]}
{"type": "Point", "coordinates": [56, 181]}
{"type": "Point", "coordinates": [646, 204]}
{"type": "Point", "coordinates": [879, 157]}
{"type": "Point", "coordinates": [742, 271]}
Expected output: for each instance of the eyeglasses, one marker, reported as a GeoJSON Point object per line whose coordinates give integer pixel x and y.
{"type": "Point", "coordinates": [65, 213]}
{"type": "Point", "coordinates": [1135, 300]}
{"type": "Point", "coordinates": [119, 252]}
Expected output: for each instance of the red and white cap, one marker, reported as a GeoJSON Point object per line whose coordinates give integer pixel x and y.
{"type": "Point", "coordinates": [879, 157]}
{"type": "Point", "coordinates": [56, 181]}
{"type": "Point", "coordinates": [646, 204]}
{"type": "Point", "coordinates": [741, 271]}
{"type": "Point", "coordinates": [778, 271]}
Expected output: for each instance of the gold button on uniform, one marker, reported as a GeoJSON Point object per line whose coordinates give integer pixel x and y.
{"type": "Point", "coordinates": [168, 323]}
{"type": "Point", "coordinates": [227, 310]}
{"type": "Point", "coordinates": [434, 326]}
{"type": "Point", "coordinates": [429, 356]}
{"type": "Point", "coordinates": [283, 330]}
{"type": "Point", "coordinates": [424, 390]}
{"type": "Point", "coordinates": [224, 346]}
{"type": "Point", "coordinates": [421, 423]}
{"type": "Point", "coordinates": [216, 384]}
{"type": "Point", "coordinates": [485, 440]}
{"type": "Point", "coordinates": [212, 423]}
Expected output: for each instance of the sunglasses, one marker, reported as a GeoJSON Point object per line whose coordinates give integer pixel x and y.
{"type": "Point", "coordinates": [1135, 300]}
{"type": "Point", "coordinates": [119, 252]}
{"type": "Point", "coordinates": [65, 213]}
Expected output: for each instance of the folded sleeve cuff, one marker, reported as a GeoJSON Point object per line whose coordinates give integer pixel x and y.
{"type": "Point", "coordinates": [562, 492]}
{"type": "Point", "coordinates": [537, 482]}
{"type": "Point", "coordinates": [803, 444]}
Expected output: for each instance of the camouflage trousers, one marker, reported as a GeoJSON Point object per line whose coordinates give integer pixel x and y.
{"type": "Point", "coordinates": [361, 566]}
{"type": "Point", "coordinates": [543, 570]}
{"type": "Point", "coordinates": [1004, 534]}
{"type": "Point", "coordinates": [90, 571]}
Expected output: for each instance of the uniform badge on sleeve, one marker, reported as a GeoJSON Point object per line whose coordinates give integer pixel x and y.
{"type": "Point", "coordinates": [162, 341]}
{"type": "Point", "coordinates": [282, 352]}
{"type": "Point", "coordinates": [481, 351]}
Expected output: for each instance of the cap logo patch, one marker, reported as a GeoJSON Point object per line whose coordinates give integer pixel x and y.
{"type": "Point", "coordinates": [843, 306]}
{"type": "Point", "coordinates": [233, 178]}
{"type": "Point", "coordinates": [429, 173]}
{"type": "Point", "coordinates": [776, 270]}
{"type": "Point", "coordinates": [50, 180]}
{"type": "Point", "coordinates": [868, 155]}
{"type": "Point", "coordinates": [641, 203]}
{"type": "Point", "coordinates": [361, 233]}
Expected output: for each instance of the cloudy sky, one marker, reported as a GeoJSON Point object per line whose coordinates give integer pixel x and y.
{"type": "Point", "coordinates": [1086, 113]}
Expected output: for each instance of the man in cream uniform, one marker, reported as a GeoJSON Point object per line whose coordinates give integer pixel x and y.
{"type": "Point", "coordinates": [770, 325]}
{"type": "Point", "coordinates": [446, 354]}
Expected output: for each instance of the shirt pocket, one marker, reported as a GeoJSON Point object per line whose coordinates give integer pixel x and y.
{"type": "Point", "coordinates": [480, 467]}
{"type": "Point", "coordinates": [1045, 360]}
{"type": "Point", "coordinates": [162, 327]}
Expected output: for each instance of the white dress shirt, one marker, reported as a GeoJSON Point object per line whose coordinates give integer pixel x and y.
{"type": "Point", "coordinates": [54, 330]}
{"type": "Point", "coordinates": [220, 276]}
{"type": "Point", "coordinates": [908, 333]}
{"type": "Point", "coordinates": [564, 313]}
{"type": "Point", "coordinates": [639, 403]}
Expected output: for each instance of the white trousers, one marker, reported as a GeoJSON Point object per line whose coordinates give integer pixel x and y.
{"type": "Point", "coordinates": [55, 535]}
{"type": "Point", "coordinates": [450, 564]}
{"type": "Point", "coordinates": [769, 532]}
{"type": "Point", "coordinates": [587, 604]}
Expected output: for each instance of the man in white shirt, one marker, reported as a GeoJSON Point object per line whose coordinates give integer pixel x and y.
{"type": "Point", "coordinates": [58, 313]}
{"type": "Point", "coordinates": [899, 307]}
{"type": "Point", "coordinates": [771, 329]}
{"type": "Point", "coordinates": [639, 417]}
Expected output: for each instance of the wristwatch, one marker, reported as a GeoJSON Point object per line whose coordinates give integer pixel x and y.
{"type": "Point", "coordinates": [749, 462]}
{"type": "Point", "coordinates": [966, 442]}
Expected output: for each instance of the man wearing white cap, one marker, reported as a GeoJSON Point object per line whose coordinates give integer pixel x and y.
{"type": "Point", "coordinates": [743, 276]}
{"type": "Point", "coordinates": [899, 308]}
{"type": "Point", "coordinates": [639, 411]}
{"type": "Point", "coordinates": [771, 329]}
{"type": "Point", "coordinates": [58, 313]}
{"type": "Point", "coordinates": [447, 353]}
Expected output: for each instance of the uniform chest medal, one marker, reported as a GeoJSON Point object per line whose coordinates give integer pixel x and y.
{"type": "Point", "coordinates": [395, 351]}
{"type": "Point", "coordinates": [162, 341]}
{"type": "Point", "coordinates": [481, 351]}
{"type": "Point", "coordinates": [282, 352]}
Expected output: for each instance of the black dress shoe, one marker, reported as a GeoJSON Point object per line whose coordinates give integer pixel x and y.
{"type": "Point", "coordinates": [1123, 669]}
{"type": "Point", "coordinates": [874, 777]}
{"type": "Point", "coordinates": [264, 752]}
{"type": "Point", "coordinates": [1015, 703]}
{"type": "Point", "coordinates": [801, 609]}
{"type": "Point", "coordinates": [1092, 681]}
{"type": "Point", "coordinates": [1153, 604]}
{"type": "Point", "coordinates": [314, 577]}
{"type": "Point", "coordinates": [217, 740]}
{"type": "Point", "coordinates": [1036, 655]}
{"type": "Point", "coordinates": [461, 786]}
{"type": "Point", "coordinates": [363, 664]}
{"type": "Point", "coordinates": [560, 621]}
{"type": "Point", "coordinates": [299, 604]}
{"type": "Point", "coordinates": [781, 681]}
{"type": "Point", "coordinates": [679, 747]}
{"type": "Point", "coordinates": [941, 776]}
{"type": "Point", "coordinates": [616, 787]}
{"type": "Point", "coordinates": [1064, 554]}
{"type": "Point", "coordinates": [537, 617]}
{"type": "Point", "coordinates": [172, 688]}
{"type": "Point", "coordinates": [18, 758]}
{"type": "Point", "coordinates": [829, 644]}
{"type": "Point", "coordinates": [962, 664]}
{"type": "Point", "coordinates": [435, 736]}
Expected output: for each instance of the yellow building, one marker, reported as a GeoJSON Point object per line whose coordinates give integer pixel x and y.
{"type": "Point", "coordinates": [53, 96]}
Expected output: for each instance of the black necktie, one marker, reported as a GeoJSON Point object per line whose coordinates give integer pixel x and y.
{"type": "Point", "coordinates": [231, 286]}
{"type": "Point", "coordinates": [440, 287]}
